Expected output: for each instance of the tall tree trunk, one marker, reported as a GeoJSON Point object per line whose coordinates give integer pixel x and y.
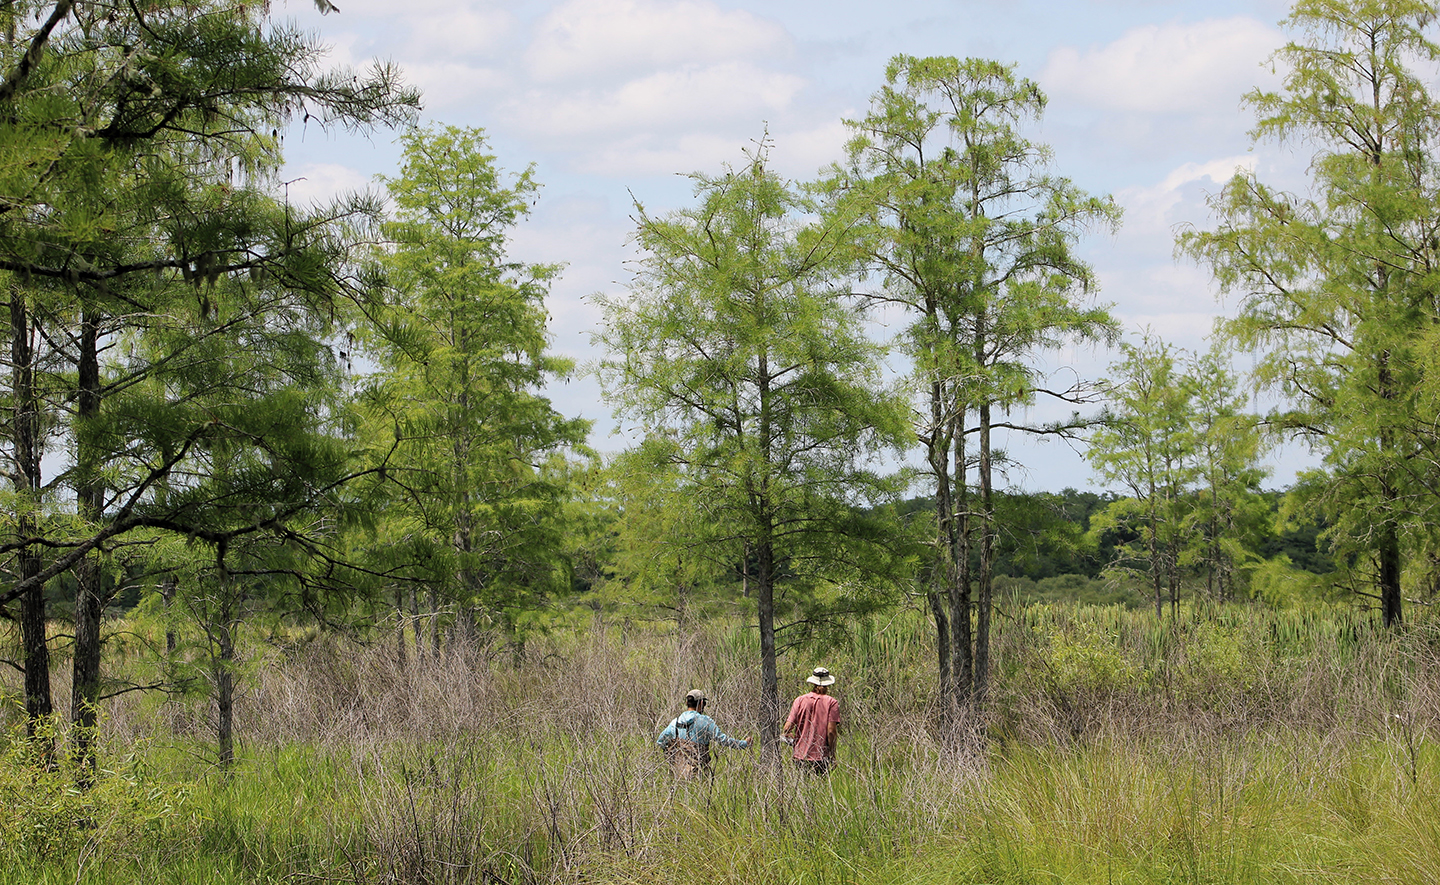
{"type": "Point", "coordinates": [985, 579]}
{"type": "Point", "coordinates": [26, 439]}
{"type": "Point", "coordinates": [942, 579]}
{"type": "Point", "coordinates": [1172, 570]}
{"type": "Point", "coordinates": [770, 711]}
{"type": "Point", "coordinates": [38, 703]}
{"type": "Point", "coordinates": [167, 596]}
{"type": "Point", "coordinates": [1388, 547]}
{"type": "Point", "coordinates": [961, 618]}
{"type": "Point", "coordinates": [765, 565]}
{"type": "Point", "coordinates": [401, 652]}
{"type": "Point", "coordinates": [226, 620]}
{"type": "Point", "coordinates": [90, 597]}
{"type": "Point", "coordinates": [1152, 543]}
{"type": "Point", "coordinates": [1389, 556]}
{"type": "Point", "coordinates": [939, 608]}
{"type": "Point", "coordinates": [225, 692]}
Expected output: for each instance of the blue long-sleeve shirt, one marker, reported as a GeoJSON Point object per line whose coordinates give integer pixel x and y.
{"type": "Point", "coordinates": [699, 728]}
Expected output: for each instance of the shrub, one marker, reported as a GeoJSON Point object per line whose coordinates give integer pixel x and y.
{"type": "Point", "coordinates": [45, 814]}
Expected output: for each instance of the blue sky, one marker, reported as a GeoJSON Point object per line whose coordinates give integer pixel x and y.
{"type": "Point", "coordinates": [618, 98]}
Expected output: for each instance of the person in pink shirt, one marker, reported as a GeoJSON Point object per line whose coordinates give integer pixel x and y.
{"type": "Point", "coordinates": [813, 724]}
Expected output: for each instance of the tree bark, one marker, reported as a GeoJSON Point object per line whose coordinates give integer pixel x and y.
{"type": "Point", "coordinates": [224, 637]}
{"type": "Point", "coordinates": [961, 617]}
{"type": "Point", "coordinates": [1392, 614]}
{"type": "Point", "coordinates": [942, 579]}
{"type": "Point", "coordinates": [985, 582]}
{"type": "Point", "coordinates": [401, 652]}
{"type": "Point", "coordinates": [770, 711]}
{"type": "Point", "coordinates": [26, 439]}
{"type": "Point", "coordinates": [90, 596]}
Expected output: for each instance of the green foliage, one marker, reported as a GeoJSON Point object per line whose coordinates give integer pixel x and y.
{"type": "Point", "coordinates": [1039, 535]}
{"type": "Point", "coordinates": [173, 317]}
{"type": "Point", "coordinates": [456, 419]}
{"type": "Point", "coordinates": [1338, 281]}
{"type": "Point", "coordinates": [1070, 589]}
{"type": "Point", "coordinates": [1083, 661]}
{"type": "Point", "coordinates": [45, 818]}
{"type": "Point", "coordinates": [764, 406]}
{"type": "Point", "coordinates": [973, 236]}
{"type": "Point", "coordinates": [1178, 438]}
{"type": "Point", "coordinates": [666, 558]}
{"type": "Point", "coordinates": [1220, 663]}
{"type": "Point", "coordinates": [1278, 584]}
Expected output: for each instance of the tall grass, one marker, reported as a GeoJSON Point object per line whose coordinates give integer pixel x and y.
{"type": "Point", "coordinates": [1232, 745]}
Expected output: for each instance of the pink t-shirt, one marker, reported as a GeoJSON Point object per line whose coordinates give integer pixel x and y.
{"type": "Point", "coordinates": [812, 715]}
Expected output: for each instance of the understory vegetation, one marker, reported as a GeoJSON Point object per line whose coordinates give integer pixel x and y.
{"type": "Point", "coordinates": [1230, 745]}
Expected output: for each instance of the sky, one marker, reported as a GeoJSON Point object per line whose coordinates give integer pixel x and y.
{"type": "Point", "coordinates": [615, 101]}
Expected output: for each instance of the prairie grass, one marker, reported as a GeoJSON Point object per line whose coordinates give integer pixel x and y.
{"type": "Point", "coordinates": [1227, 746]}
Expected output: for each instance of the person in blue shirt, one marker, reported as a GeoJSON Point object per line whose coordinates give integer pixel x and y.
{"type": "Point", "coordinates": [687, 739]}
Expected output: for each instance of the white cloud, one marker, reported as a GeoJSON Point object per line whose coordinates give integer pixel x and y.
{"type": "Point", "coordinates": [668, 99]}
{"type": "Point", "coordinates": [453, 84]}
{"type": "Point", "coordinates": [657, 155]}
{"type": "Point", "coordinates": [1167, 69]}
{"type": "Point", "coordinates": [461, 32]}
{"type": "Point", "coordinates": [355, 10]}
{"type": "Point", "coordinates": [317, 183]}
{"type": "Point", "coordinates": [796, 153]}
{"type": "Point", "coordinates": [1151, 207]}
{"type": "Point", "coordinates": [609, 37]}
{"type": "Point", "coordinates": [341, 51]}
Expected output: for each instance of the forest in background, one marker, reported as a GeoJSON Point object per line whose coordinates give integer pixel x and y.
{"type": "Point", "coordinates": [238, 432]}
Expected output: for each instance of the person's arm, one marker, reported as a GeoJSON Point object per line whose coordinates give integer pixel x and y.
{"type": "Point", "coordinates": [667, 736]}
{"type": "Point", "coordinates": [725, 740]}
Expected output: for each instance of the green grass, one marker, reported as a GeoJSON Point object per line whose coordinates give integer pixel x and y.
{"type": "Point", "coordinates": [1235, 746]}
{"type": "Point", "coordinates": [1230, 812]}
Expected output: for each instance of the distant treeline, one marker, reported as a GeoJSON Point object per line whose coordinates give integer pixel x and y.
{"type": "Point", "coordinates": [1046, 549]}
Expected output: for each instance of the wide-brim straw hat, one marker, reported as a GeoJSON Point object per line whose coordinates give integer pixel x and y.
{"type": "Point", "coordinates": [820, 676]}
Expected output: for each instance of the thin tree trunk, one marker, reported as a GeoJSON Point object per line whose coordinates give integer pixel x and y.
{"type": "Point", "coordinates": [961, 617]}
{"type": "Point", "coordinates": [942, 579]}
{"type": "Point", "coordinates": [85, 672]}
{"type": "Point", "coordinates": [1388, 547]}
{"type": "Point", "coordinates": [1390, 599]}
{"type": "Point", "coordinates": [985, 580]}
{"type": "Point", "coordinates": [225, 691]}
{"type": "Point", "coordinates": [38, 703]}
{"type": "Point", "coordinates": [1172, 569]}
{"type": "Point", "coordinates": [26, 439]}
{"type": "Point", "coordinates": [224, 637]}
{"type": "Point", "coordinates": [939, 608]}
{"type": "Point", "coordinates": [1156, 567]}
{"type": "Point", "coordinates": [416, 627]}
{"type": "Point", "coordinates": [434, 626]}
{"type": "Point", "coordinates": [770, 711]}
{"type": "Point", "coordinates": [167, 596]}
{"type": "Point", "coordinates": [401, 652]}
{"type": "Point", "coordinates": [90, 597]}
{"type": "Point", "coordinates": [765, 581]}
